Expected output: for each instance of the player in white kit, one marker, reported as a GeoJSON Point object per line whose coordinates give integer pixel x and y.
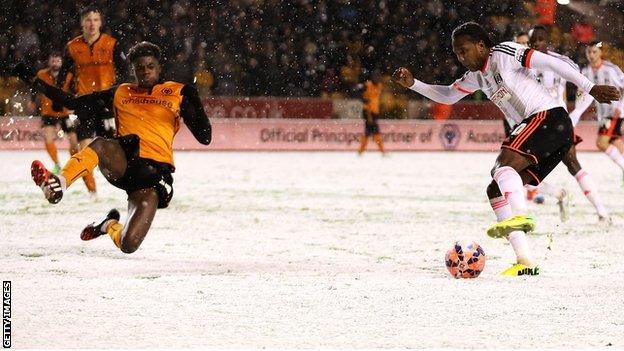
{"type": "Point", "coordinates": [556, 86]}
{"type": "Point", "coordinates": [601, 71]}
{"type": "Point", "coordinates": [543, 132]}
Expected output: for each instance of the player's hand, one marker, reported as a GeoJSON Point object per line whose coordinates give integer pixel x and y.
{"type": "Point", "coordinates": [617, 113]}
{"type": "Point", "coordinates": [605, 93]}
{"type": "Point", "coordinates": [403, 76]}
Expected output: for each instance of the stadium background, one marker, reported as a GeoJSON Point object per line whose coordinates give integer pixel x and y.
{"type": "Point", "coordinates": [303, 59]}
{"type": "Point", "coordinates": [317, 249]}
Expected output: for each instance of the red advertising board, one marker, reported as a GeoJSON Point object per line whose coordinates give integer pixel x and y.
{"type": "Point", "coordinates": [307, 134]}
{"type": "Point", "coordinates": [243, 107]}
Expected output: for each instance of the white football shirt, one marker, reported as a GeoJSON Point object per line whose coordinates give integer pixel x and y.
{"type": "Point", "coordinates": [507, 80]}
{"type": "Point", "coordinates": [606, 74]}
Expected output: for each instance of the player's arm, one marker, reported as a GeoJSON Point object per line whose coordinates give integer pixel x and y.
{"type": "Point", "coordinates": [66, 68]}
{"type": "Point", "coordinates": [121, 67]}
{"type": "Point", "coordinates": [361, 89]}
{"type": "Point", "coordinates": [535, 59]}
{"type": "Point", "coordinates": [91, 102]}
{"type": "Point", "coordinates": [444, 94]}
{"type": "Point", "coordinates": [194, 116]}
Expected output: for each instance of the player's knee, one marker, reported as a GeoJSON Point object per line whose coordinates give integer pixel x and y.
{"type": "Point", "coordinates": [573, 165]}
{"type": "Point", "coordinates": [132, 240]}
{"type": "Point", "coordinates": [97, 145]}
{"type": "Point", "coordinates": [128, 249]}
{"type": "Point", "coordinates": [494, 169]}
{"type": "Point", "coordinates": [129, 246]}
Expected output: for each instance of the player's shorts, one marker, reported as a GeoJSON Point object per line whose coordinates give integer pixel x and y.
{"type": "Point", "coordinates": [143, 173]}
{"type": "Point", "coordinates": [66, 124]}
{"type": "Point", "coordinates": [544, 138]}
{"type": "Point", "coordinates": [371, 128]}
{"type": "Point", "coordinates": [90, 125]}
{"type": "Point", "coordinates": [611, 127]}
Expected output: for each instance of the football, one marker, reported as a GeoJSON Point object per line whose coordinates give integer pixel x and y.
{"type": "Point", "coordinates": [465, 260]}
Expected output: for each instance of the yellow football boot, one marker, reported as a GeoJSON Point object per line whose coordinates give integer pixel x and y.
{"type": "Point", "coordinates": [506, 227]}
{"type": "Point", "coordinates": [519, 269]}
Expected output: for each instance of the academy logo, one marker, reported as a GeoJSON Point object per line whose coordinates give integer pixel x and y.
{"type": "Point", "coordinates": [450, 136]}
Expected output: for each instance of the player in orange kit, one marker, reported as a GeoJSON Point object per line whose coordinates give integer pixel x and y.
{"type": "Point", "coordinates": [50, 118]}
{"type": "Point", "coordinates": [97, 62]}
{"type": "Point", "coordinates": [140, 159]}
{"type": "Point", "coordinates": [370, 113]}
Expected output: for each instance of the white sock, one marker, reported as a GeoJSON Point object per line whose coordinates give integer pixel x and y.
{"type": "Point", "coordinates": [501, 208]}
{"type": "Point", "coordinates": [615, 155]}
{"type": "Point", "coordinates": [551, 190]}
{"type": "Point", "coordinates": [589, 189]}
{"type": "Point", "coordinates": [63, 182]}
{"type": "Point", "coordinates": [521, 247]}
{"type": "Point", "coordinates": [510, 185]}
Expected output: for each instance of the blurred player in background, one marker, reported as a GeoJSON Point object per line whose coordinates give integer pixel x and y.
{"type": "Point", "coordinates": [539, 39]}
{"type": "Point", "coordinates": [601, 71]}
{"type": "Point", "coordinates": [522, 38]}
{"type": "Point", "coordinates": [140, 159]}
{"type": "Point", "coordinates": [54, 114]}
{"type": "Point", "coordinates": [543, 131]}
{"type": "Point", "coordinates": [370, 114]}
{"type": "Point", "coordinates": [96, 61]}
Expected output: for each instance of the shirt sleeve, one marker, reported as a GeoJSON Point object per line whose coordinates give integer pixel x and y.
{"type": "Point", "coordinates": [95, 102]}
{"type": "Point", "coordinates": [194, 116]}
{"type": "Point", "coordinates": [66, 68]}
{"type": "Point", "coordinates": [447, 94]}
{"type": "Point", "coordinates": [534, 59]}
{"type": "Point", "coordinates": [121, 68]}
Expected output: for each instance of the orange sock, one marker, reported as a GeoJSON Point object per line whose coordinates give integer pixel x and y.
{"type": "Point", "coordinates": [51, 148]}
{"type": "Point", "coordinates": [81, 164]}
{"type": "Point", "coordinates": [379, 140]}
{"type": "Point", "coordinates": [114, 230]}
{"type": "Point", "coordinates": [363, 143]}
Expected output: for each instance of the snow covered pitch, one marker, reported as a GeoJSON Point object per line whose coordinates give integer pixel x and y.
{"type": "Point", "coordinates": [310, 250]}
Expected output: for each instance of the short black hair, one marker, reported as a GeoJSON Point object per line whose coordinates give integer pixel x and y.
{"type": "Point", "coordinates": [55, 53]}
{"type": "Point", "coordinates": [521, 33]}
{"type": "Point", "coordinates": [540, 27]}
{"type": "Point", "coordinates": [474, 32]}
{"type": "Point", "coordinates": [88, 9]}
{"type": "Point", "coordinates": [142, 49]}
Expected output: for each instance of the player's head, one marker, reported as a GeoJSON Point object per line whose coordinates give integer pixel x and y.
{"type": "Point", "coordinates": [55, 61]}
{"type": "Point", "coordinates": [538, 38]}
{"type": "Point", "coordinates": [471, 44]}
{"type": "Point", "coordinates": [90, 20]}
{"type": "Point", "coordinates": [145, 60]}
{"type": "Point", "coordinates": [522, 38]}
{"type": "Point", "coordinates": [594, 52]}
